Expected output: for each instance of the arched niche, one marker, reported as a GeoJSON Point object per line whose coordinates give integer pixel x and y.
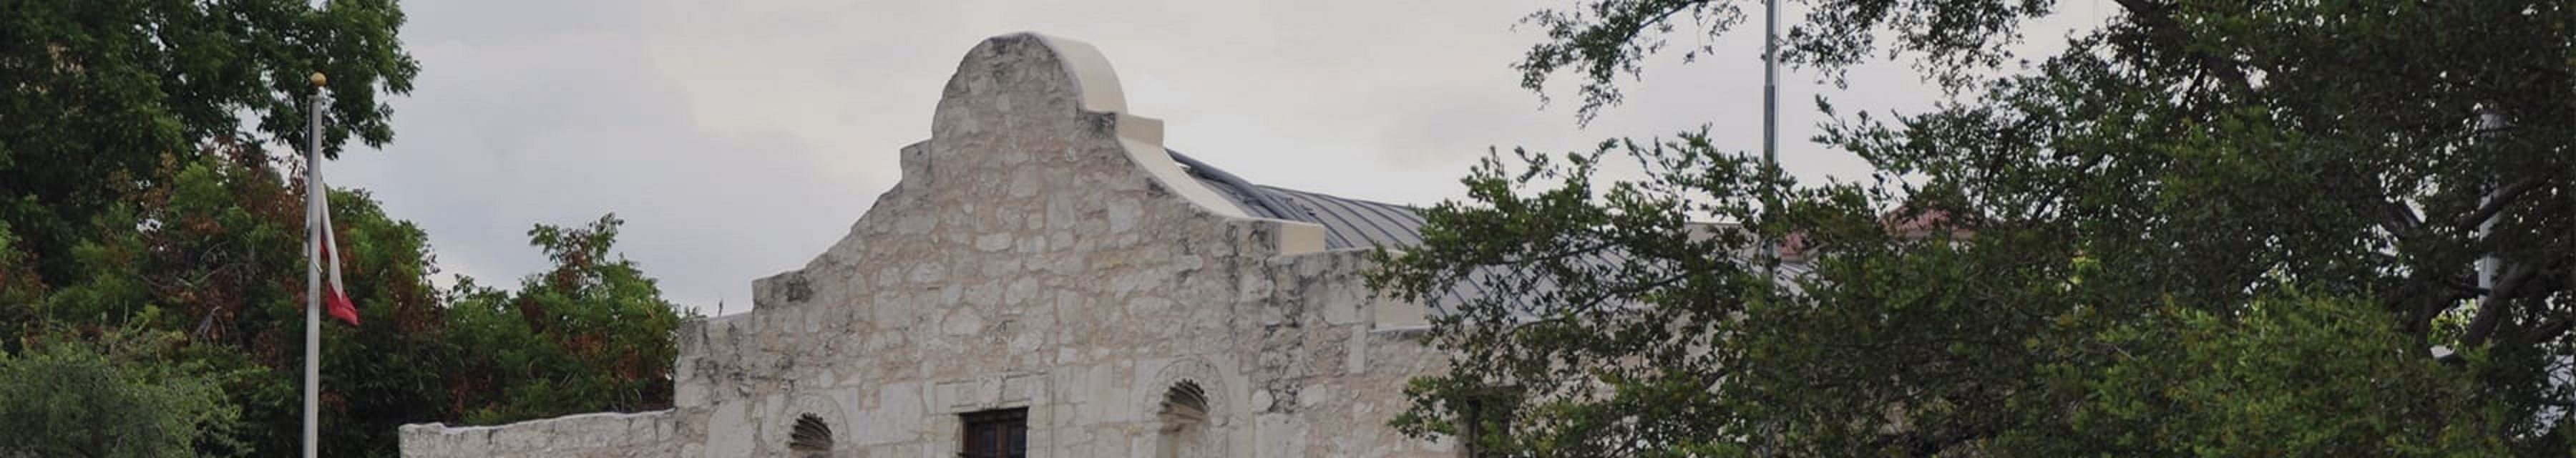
{"type": "Point", "coordinates": [810, 437]}
{"type": "Point", "coordinates": [1185, 430]}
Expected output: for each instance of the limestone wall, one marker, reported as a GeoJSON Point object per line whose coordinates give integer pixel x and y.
{"type": "Point", "coordinates": [1331, 376]}
{"type": "Point", "coordinates": [603, 435]}
{"type": "Point", "coordinates": [1041, 252]}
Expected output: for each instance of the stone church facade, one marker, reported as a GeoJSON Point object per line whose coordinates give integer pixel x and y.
{"type": "Point", "coordinates": [1047, 280]}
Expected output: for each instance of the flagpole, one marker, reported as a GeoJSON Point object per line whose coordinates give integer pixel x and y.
{"type": "Point", "coordinates": [1771, 127]}
{"type": "Point", "coordinates": [1771, 89]}
{"type": "Point", "coordinates": [313, 270]}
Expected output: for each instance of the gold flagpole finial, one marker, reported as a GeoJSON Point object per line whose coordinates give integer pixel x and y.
{"type": "Point", "coordinates": [317, 79]}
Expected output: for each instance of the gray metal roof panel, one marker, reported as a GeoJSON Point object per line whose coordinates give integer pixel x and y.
{"type": "Point", "coordinates": [1348, 223]}
{"type": "Point", "coordinates": [1356, 223]}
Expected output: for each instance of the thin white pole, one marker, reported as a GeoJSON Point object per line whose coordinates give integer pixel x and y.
{"type": "Point", "coordinates": [313, 271]}
{"type": "Point", "coordinates": [1771, 87]}
{"type": "Point", "coordinates": [1770, 154]}
{"type": "Point", "coordinates": [1771, 119]}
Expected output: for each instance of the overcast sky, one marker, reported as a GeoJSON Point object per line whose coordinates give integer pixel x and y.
{"type": "Point", "coordinates": [740, 139]}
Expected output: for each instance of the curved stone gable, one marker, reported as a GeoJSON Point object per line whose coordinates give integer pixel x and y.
{"type": "Point", "coordinates": [1026, 100]}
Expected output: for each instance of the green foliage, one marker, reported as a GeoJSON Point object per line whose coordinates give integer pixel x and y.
{"type": "Point", "coordinates": [2206, 228]}
{"type": "Point", "coordinates": [122, 392]}
{"type": "Point", "coordinates": [592, 334]}
{"type": "Point", "coordinates": [142, 189]}
{"type": "Point", "coordinates": [386, 373]}
{"type": "Point", "coordinates": [101, 89]}
{"type": "Point", "coordinates": [218, 242]}
{"type": "Point", "coordinates": [19, 287]}
{"type": "Point", "coordinates": [2292, 375]}
{"type": "Point", "coordinates": [1601, 41]}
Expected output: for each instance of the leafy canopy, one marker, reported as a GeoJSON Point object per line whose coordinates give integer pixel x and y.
{"type": "Point", "coordinates": [592, 334]}
{"type": "Point", "coordinates": [2205, 228]}
{"type": "Point", "coordinates": [148, 184]}
{"type": "Point", "coordinates": [119, 393]}
{"type": "Point", "coordinates": [100, 90]}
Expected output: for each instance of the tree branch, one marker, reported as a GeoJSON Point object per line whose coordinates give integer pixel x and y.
{"type": "Point", "coordinates": [2503, 197]}
{"type": "Point", "coordinates": [2157, 19]}
{"type": "Point", "coordinates": [1588, 249]}
{"type": "Point", "coordinates": [2401, 218]}
{"type": "Point", "coordinates": [2491, 310]}
{"type": "Point", "coordinates": [2546, 331]}
{"type": "Point", "coordinates": [2435, 294]}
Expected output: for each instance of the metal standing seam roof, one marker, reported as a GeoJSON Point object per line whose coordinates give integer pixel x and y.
{"type": "Point", "coordinates": [1348, 223]}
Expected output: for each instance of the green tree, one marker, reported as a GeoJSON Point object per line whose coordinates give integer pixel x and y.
{"type": "Point", "coordinates": [222, 247]}
{"type": "Point", "coordinates": [591, 334]}
{"type": "Point", "coordinates": [99, 90]}
{"type": "Point", "coordinates": [2206, 228]}
{"type": "Point", "coordinates": [2292, 374]}
{"type": "Point", "coordinates": [218, 241]}
{"type": "Point", "coordinates": [147, 182]}
{"type": "Point", "coordinates": [121, 392]}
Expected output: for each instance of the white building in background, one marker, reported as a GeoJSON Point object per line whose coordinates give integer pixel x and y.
{"type": "Point", "coordinates": [1047, 280]}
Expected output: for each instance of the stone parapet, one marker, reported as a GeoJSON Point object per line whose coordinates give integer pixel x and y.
{"type": "Point", "coordinates": [602, 435]}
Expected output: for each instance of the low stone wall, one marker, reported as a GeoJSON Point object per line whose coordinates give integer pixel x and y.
{"type": "Point", "coordinates": [654, 434]}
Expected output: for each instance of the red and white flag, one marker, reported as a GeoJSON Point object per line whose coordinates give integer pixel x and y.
{"type": "Point", "coordinates": [335, 294]}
